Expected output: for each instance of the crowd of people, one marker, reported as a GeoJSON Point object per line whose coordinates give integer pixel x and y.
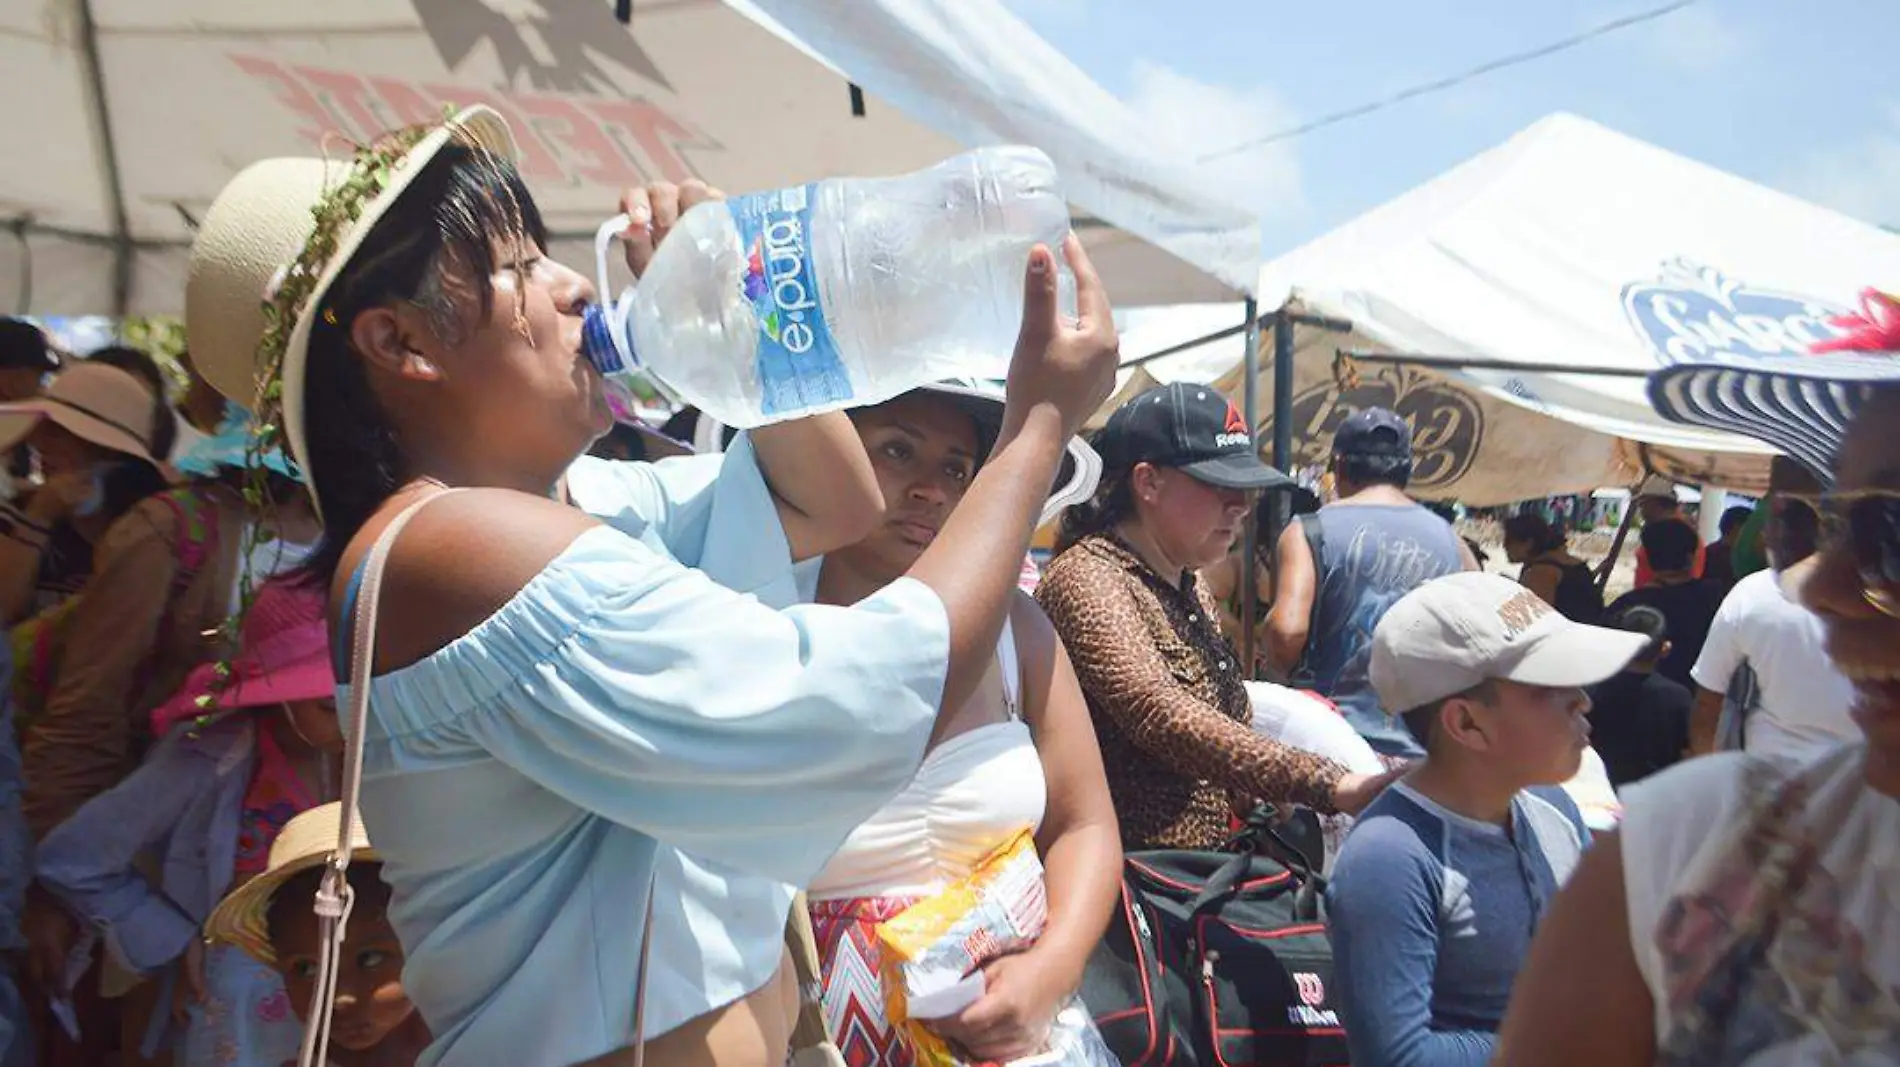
{"type": "Point", "coordinates": [380, 702]}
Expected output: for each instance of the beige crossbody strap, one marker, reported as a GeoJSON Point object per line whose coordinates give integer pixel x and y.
{"type": "Point", "coordinates": [811, 1044]}
{"type": "Point", "coordinates": [334, 898]}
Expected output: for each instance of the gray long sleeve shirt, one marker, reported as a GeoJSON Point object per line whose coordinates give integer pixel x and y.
{"type": "Point", "coordinates": [1431, 914]}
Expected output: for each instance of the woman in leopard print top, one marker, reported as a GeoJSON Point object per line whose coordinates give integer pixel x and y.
{"type": "Point", "coordinates": [1163, 684]}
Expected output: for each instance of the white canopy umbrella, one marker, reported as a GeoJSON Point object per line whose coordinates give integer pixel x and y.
{"type": "Point", "coordinates": [130, 116]}
{"type": "Point", "coordinates": [1536, 284]}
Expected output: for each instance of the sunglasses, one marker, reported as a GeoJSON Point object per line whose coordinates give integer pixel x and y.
{"type": "Point", "coordinates": [1864, 524]}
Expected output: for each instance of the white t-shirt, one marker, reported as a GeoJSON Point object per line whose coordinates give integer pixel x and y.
{"type": "Point", "coordinates": [1764, 910]}
{"type": "Point", "coordinates": [1803, 700]}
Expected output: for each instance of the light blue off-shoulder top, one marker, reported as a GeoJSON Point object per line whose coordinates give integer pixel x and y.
{"type": "Point", "coordinates": [626, 718]}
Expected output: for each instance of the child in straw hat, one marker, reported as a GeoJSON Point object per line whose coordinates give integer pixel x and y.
{"type": "Point", "coordinates": [273, 918]}
{"type": "Point", "coordinates": [203, 810]}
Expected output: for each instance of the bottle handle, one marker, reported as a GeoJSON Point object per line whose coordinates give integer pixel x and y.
{"type": "Point", "coordinates": [604, 238]}
{"type": "Point", "coordinates": [616, 312]}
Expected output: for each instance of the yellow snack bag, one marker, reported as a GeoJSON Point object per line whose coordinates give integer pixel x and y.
{"type": "Point", "coordinates": [934, 947]}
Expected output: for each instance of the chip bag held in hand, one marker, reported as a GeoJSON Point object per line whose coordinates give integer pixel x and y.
{"type": "Point", "coordinates": [937, 947]}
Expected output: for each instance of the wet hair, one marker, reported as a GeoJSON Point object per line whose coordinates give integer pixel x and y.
{"type": "Point", "coordinates": [298, 895]}
{"type": "Point", "coordinates": [1533, 528]}
{"type": "Point", "coordinates": [1645, 620]}
{"type": "Point", "coordinates": [1734, 519]}
{"type": "Point", "coordinates": [1363, 471]}
{"type": "Point", "coordinates": [1422, 722]}
{"type": "Point", "coordinates": [1670, 544]}
{"type": "Point", "coordinates": [442, 228]}
{"type": "Point", "coordinates": [143, 367]}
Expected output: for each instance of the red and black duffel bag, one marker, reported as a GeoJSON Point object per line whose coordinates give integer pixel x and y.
{"type": "Point", "coordinates": [1218, 959]}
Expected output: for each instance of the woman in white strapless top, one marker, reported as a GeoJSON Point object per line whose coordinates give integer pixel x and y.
{"type": "Point", "coordinates": [1021, 753]}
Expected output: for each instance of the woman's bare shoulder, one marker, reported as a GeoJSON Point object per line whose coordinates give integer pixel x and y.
{"type": "Point", "coordinates": [458, 561]}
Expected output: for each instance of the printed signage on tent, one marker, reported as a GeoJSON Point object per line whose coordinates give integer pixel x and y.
{"type": "Point", "coordinates": [1447, 422]}
{"type": "Point", "coordinates": [1696, 314]}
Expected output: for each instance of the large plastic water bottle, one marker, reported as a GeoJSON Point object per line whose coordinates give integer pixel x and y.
{"type": "Point", "coordinates": [835, 294]}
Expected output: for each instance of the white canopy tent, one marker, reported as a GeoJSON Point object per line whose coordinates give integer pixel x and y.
{"type": "Point", "coordinates": [1568, 248]}
{"type": "Point", "coordinates": [130, 115]}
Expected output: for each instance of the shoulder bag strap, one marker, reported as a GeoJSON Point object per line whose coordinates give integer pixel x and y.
{"type": "Point", "coordinates": [1008, 665]}
{"type": "Point", "coordinates": [334, 898]}
{"type": "Point", "coordinates": [811, 1044]}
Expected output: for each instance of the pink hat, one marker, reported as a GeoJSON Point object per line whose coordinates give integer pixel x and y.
{"type": "Point", "coordinates": [283, 655]}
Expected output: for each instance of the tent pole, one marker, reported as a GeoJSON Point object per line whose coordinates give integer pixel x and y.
{"type": "Point", "coordinates": [109, 156]}
{"type": "Point", "coordinates": [1427, 359]}
{"type": "Point", "coordinates": [1298, 319]}
{"type": "Point", "coordinates": [1283, 324]}
{"type": "Point", "coordinates": [24, 301]}
{"type": "Point", "coordinates": [1250, 530]}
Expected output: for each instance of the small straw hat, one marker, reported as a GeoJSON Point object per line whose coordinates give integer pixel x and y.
{"type": "Point", "coordinates": [256, 239]}
{"type": "Point", "coordinates": [93, 401]}
{"type": "Point", "coordinates": [306, 841]}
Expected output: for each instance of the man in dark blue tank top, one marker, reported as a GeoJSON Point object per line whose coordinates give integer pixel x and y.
{"type": "Point", "coordinates": [1374, 545]}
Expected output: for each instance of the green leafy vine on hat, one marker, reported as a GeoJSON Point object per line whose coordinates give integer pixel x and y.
{"type": "Point", "coordinates": [371, 170]}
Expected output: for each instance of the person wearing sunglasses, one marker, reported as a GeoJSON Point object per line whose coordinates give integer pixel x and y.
{"type": "Point", "coordinates": [1793, 701]}
{"type": "Point", "coordinates": [1748, 910]}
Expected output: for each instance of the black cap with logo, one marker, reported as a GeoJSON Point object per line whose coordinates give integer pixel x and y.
{"type": "Point", "coordinates": [1373, 432]}
{"type": "Point", "coordinates": [1191, 427]}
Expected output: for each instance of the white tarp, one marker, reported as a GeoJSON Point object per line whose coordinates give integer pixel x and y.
{"type": "Point", "coordinates": [734, 93]}
{"type": "Point", "coordinates": [1570, 245]}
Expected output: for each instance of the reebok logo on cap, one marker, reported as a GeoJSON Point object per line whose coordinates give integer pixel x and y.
{"type": "Point", "coordinates": [1192, 428]}
{"type": "Point", "coordinates": [1235, 432]}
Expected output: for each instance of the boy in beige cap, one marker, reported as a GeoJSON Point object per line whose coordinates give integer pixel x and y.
{"type": "Point", "coordinates": [1441, 883]}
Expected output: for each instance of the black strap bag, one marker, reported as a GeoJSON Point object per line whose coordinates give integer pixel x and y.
{"type": "Point", "coordinates": [1219, 959]}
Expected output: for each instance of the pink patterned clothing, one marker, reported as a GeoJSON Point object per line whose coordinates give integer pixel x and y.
{"type": "Point", "coordinates": [276, 796]}
{"type": "Point", "coordinates": [247, 1018]}
{"type": "Point", "coordinates": [1764, 908]}
{"type": "Point", "coordinates": [1030, 576]}
{"type": "Point", "coordinates": [852, 963]}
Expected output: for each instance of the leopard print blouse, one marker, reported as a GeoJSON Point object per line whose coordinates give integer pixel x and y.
{"type": "Point", "coordinates": [1164, 688]}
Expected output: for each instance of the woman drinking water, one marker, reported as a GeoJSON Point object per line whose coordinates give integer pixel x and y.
{"type": "Point", "coordinates": [561, 711]}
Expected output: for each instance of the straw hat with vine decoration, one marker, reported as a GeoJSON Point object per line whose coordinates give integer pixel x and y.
{"type": "Point", "coordinates": [272, 246]}
{"type": "Point", "coordinates": [262, 265]}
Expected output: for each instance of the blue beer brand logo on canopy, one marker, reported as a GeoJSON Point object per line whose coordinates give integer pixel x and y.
{"type": "Point", "coordinates": [1695, 314]}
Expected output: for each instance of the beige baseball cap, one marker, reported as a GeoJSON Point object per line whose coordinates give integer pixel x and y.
{"type": "Point", "coordinates": [1454, 633]}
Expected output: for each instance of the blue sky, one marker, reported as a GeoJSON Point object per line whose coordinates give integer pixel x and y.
{"type": "Point", "coordinates": [1804, 97]}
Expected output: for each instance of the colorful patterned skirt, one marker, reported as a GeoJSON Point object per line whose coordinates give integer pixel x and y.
{"type": "Point", "coordinates": [852, 963]}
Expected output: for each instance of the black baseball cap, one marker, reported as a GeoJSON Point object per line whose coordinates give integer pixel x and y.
{"type": "Point", "coordinates": [24, 346]}
{"type": "Point", "coordinates": [1190, 427]}
{"type": "Point", "coordinates": [1373, 432]}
